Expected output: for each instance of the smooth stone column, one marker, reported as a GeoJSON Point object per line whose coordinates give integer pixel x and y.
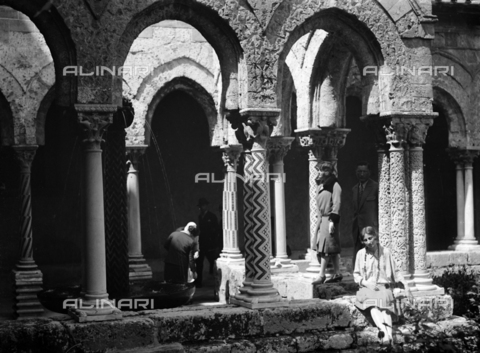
{"type": "Point", "coordinates": [278, 148]}
{"type": "Point", "coordinates": [460, 179]}
{"type": "Point", "coordinates": [469, 239]}
{"type": "Point", "coordinates": [28, 278]}
{"type": "Point", "coordinates": [311, 140]}
{"type": "Point", "coordinates": [138, 269]}
{"type": "Point", "coordinates": [260, 292]}
{"type": "Point", "coordinates": [94, 118]}
{"type": "Point", "coordinates": [231, 251]}
{"type": "Point", "coordinates": [418, 133]}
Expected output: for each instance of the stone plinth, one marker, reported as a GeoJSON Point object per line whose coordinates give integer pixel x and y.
{"type": "Point", "coordinates": [27, 285]}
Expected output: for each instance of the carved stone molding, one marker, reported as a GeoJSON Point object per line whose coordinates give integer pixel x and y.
{"type": "Point", "coordinates": [418, 131]}
{"type": "Point", "coordinates": [230, 156]}
{"type": "Point", "coordinates": [333, 140]}
{"type": "Point", "coordinates": [25, 154]}
{"type": "Point", "coordinates": [94, 119]}
{"type": "Point", "coordinates": [134, 153]}
{"type": "Point", "coordinates": [278, 147]}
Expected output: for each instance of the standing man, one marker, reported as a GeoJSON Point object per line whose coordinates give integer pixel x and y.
{"type": "Point", "coordinates": [365, 205]}
{"type": "Point", "coordinates": [208, 225]}
{"type": "Point", "coordinates": [180, 258]}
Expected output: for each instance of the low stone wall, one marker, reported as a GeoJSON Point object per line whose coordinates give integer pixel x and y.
{"type": "Point", "coordinates": [303, 326]}
{"type": "Point", "coordinates": [439, 261]}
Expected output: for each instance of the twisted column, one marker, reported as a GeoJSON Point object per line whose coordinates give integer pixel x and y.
{"type": "Point", "coordinates": [28, 278]}
{"type": "Point", "coordinates": [278, 148]}
{"type": "Point", "coordinates": [94, 118]}
{"type": "Point", "coordinates": [417, 135]}
{"type": "Point", "coordinates": [258, 290]}
{"type": "Point", "coordinates": [138, 269]}
{"type": "Point", "coordinates": [231, 250]}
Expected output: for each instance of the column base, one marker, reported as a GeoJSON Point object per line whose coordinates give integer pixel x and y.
{"type": "Point", "coordinates": [258, 295]}
{"type": "Point", "coordinates": [228, 259]}
{"type": "Point", "coordinates": [138, 269]}
{"type": "Point", "coordinates": [434, 290]}
{"type": "Point", "coordinates": [465, 245]}
{"type": "Point", "coordinates": [27, 285]}
{"type": "Point", "coordinates": [94, 310]}
{"type": "Point", "coordinates": [313, 267]}
{"type": "Point", "coordinates": [258, 305]}
{"type": "Point", "coordinates": [423, 281]}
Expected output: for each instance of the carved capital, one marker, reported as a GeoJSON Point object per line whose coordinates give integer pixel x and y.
{"type": "Point", "coordinates": [460, 156]}
{"type": "Point", "coordinates": [134, 153]}
{"type": "Point", "coordinates": [310, 139]}
{"type": "Point", "coordinates": [332, 141]}
{"type": "Point", "coordinates": [396, 133]}
{"type": "Point", "coordinates": [94, 119]}
{"type": "Point", "coordinates": [230, 156]}
{"type": "Point", "coordinates": [418, 131]}
{"type": "Point", "coordinates": [257, 125]}
{"type": "Point", "coordinates": [277, 148]}
{"type": "Point", "coordinates": [25, 154]}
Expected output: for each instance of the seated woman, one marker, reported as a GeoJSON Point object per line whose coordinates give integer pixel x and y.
{"type": "Point", "coordinates": [375, 272]}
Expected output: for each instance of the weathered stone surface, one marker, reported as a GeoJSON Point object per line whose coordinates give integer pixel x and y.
{"type": "Point", "coordinates": [124, 334]}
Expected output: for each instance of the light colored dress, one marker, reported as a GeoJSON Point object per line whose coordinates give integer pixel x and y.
{"type": "Point", "coordinates": [367, 269]}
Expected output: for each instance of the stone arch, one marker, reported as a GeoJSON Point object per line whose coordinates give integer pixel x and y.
{"type": "Point", "coordinates": [190, 87]}
{"type": "Point", "coordinates": [6, 121]}
{"type": "Point", "coordinates": [62, 48]}
{"type": "Point", "coordinates": [45, 105]}
{"type": "Point", "coordinates": [457, 134]}
{"type": "Point", "coordinates": [145, 99]}
{"type": "Point", "coordinates": [328, 84]}
{"type": "Point", "coordinates": [360, 38]}
{"type": "Point", "coordinates": [215, 30]}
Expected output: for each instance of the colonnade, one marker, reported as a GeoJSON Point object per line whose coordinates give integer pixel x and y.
{"type": "Point", "coordinates": [401, 203]}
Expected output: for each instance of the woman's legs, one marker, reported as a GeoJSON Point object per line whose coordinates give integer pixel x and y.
{"type": "Point", "coordinates": [383, 321]}
{"type": "Point", "coordinates": [323, 265]}
{"type": "Point", "coordinates": [336, 264]}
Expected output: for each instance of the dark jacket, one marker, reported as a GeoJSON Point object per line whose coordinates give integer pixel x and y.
{"type": "Point", "coordinates": [208, 226]}
{"type": "Point", "coordinates": [181, 247]}
{"type": "Point", "coordinates": [365, 211]}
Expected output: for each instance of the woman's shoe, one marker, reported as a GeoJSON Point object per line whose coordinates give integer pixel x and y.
{"type": "Point", "coordinates": [319, 280]}
{"type": "Point", "coordinates": [381, 334]}
{"type": "Point", "coordinates": [334, 278]}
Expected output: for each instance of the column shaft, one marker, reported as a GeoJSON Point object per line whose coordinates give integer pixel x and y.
{"type": "Point", "coordinates": [138, 269]}
{"type": "Point", "coordinates": [231, 250]}
{"type": "Point", "coordinates": [460, 201]}
{"type": "Point", "coordinates": [469, 209]}
{"type": "Point", "coordinates": [384, 202]}
{"type": "Point", "coordinates": [28, 278]}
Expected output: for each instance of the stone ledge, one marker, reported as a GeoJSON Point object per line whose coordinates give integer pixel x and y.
{"type": "Point", "coordinates": [302, 327]}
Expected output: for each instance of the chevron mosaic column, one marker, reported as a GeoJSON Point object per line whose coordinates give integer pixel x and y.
{"type": "Point", "coordinates": [311, 140]}
{"type": "Point", "coordinates": [138, 269]}
{"type": "Point", "coordinates": [28, 279]}
{"type": "Point", "coordinates": [94, 118]}
{"type": "Point", "coordinates": [248, 226]}
{"type": "Point", "coordinates": [259, 292]}
{"type": "Point", "coordinates": [230, 251]}
{"type": "Point", "coordinates": [278, 148]}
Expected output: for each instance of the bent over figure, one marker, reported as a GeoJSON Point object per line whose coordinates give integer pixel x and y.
{"type": "Point", "coordinates": [181, 246]}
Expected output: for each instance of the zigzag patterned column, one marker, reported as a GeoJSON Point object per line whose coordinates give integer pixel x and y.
{"type": "Point", "coordinates": [138, 268]}
{"type": "Point", "coordinates": [278, 148]}
{"type": "Point", "coordinates": [94, 118]}
{"type": "Point", "coordinates": [230, 251]}
{"type": "Point", "coordinates": [248, 224]}
{"type": "Point", "coordinates": [311, 139]}
{"type": "Point", "coordinates": [28, 279]}
{"type": "Point", "coordinates": [260, 292]}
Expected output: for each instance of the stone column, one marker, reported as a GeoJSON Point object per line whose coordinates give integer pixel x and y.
{"type": "Point", "coordinates": [460, 187]}
{"type": "Point", "coordinates": [278, 148]}
{"type": "Point", "coordinates": [396, 137]}
{"type": "Point", "coordinates": [260, 291]}
{"type": "Point", "coordinates": [417, 135]}
{"type": "Point", "coordinates": [94, 118]}
{"type": "Point", "coordinates": [465, 240]}
{"type": "Point", "coordinates": [138, 269]}
{"type": "Point", "coordinates": [377, 125]}
{"type": "Point", "coordinates": [311, 140]}
{"type": "Point", "coordinates": [231, 251]}
{"type": "Point", "coordinates": [28, 278]}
